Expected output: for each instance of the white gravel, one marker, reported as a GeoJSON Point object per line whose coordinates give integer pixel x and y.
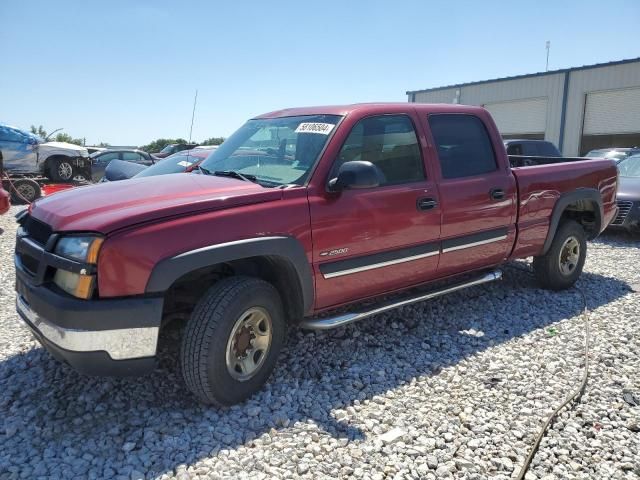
{"type": "Point", "coordinates": [459, 394]}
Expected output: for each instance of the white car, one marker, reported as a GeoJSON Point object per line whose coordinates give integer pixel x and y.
{"type": "Point", "coordinates": [25, 153]}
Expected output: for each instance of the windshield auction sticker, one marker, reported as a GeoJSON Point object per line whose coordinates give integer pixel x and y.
{"type": "Point", "coordinates": [321, 128]}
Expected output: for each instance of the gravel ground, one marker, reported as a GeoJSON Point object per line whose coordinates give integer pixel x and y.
{"type": "Point", "coordinates": [452, 388]}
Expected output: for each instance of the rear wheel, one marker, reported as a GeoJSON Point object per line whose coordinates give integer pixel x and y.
{"type": "Point", "coordinates": [24, 190]}
{"type": "Point", "coordinates": [232, 340]}
{"type": "Point", "coordinates": [561, 266]}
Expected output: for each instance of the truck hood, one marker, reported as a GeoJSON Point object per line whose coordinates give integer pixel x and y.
{"type": "Point", "coordinates": [107, 207]}
{"type": "Point", "coordinates": [64, 147]}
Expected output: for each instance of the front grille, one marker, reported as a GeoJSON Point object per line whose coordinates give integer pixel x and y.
{"type": "Point", "coordinates": [624, 207]}
{"type": "Point", "coordinates": [38, 231]}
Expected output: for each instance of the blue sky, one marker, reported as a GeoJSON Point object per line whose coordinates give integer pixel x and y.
{"type": "Point", "coordinates": [125, 72]}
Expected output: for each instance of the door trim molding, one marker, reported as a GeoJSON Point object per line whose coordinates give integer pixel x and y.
{"type": "Point", "coordinates": [394, 257]}
{"type": "Point", "coordinates": [379, 260]}
{"type": "Point", "coordinates": [474, 240]}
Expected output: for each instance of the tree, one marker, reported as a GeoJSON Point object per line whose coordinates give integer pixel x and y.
{"type": "Point", "coordinates": [160, 143]}
{"type": "Point", "coordinates": [60, 137]}
{"type": "Point", "coordinates": [65, 137]}
{"type": "Point", "coordinates": [213, 141]}
{"type": "Point", "coordinates": [41, 132]}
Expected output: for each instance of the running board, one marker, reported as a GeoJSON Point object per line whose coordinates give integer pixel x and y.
{"type": "Point", "coordinates": [326, 323]}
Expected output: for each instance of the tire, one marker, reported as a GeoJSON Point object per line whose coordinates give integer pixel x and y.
{"type": "Point", "coordinates": [61, 170]}
{"type": "Point", "coordinates": [561, 266]}
{"type": "Point", "coordinates": [209, 357]}
{"type": "Point", "coordinates": [25, 190]}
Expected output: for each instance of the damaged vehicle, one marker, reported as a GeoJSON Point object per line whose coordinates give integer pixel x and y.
{"type": "Point", "coordinates": [27, 154]}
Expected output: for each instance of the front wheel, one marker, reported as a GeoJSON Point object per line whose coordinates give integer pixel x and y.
{"type": "Point", "coordinates": [232, 340]}
{"type": "Point", "coordinates": [62, 170]}
{"type": "Point", "coordinates": [561, 266]}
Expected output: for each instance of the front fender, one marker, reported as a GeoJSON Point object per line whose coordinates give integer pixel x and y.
{"type": "Point", "coordinates": [167, 271]}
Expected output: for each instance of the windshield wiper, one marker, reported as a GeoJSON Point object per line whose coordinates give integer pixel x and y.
{"type": "Point", "coordinates": [203, 170]}
{"type": "Point", "coordinates": [234, 174]}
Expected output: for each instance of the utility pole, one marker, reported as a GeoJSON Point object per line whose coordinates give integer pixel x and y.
{"type": "Point", "coordinates": [548, 48]}
{"type": "Point", "coordinates": [193, 114]}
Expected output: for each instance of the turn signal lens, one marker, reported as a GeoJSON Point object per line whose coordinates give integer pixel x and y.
{"type": "Point", "coordinates": [75, 284]}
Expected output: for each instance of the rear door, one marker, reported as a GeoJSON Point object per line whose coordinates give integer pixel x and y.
{"type": "Point", "coordinates": [371, 241]}
{"type": "Point", "coordinates": [477, 193]}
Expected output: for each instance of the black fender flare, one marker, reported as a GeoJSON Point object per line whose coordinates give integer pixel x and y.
{"type": "Point", "coordinates": [566, 199]}
{"type": "Point", "coordinates": [168, 270]}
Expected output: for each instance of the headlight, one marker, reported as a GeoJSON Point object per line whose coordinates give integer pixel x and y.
{"type": "Point", "coordinates": [83, 249]}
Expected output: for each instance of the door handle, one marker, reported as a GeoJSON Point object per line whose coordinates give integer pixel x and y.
{"type": "Point", "coordinates": [496, 193]}
{"type": "Point", "coordinates": [426, 203]}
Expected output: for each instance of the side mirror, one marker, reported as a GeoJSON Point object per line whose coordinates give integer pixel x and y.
{"type": "Point", "coordinates": [356, 174]}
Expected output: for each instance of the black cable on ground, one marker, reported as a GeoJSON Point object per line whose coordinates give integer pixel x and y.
{"type": "Point", "coordinates": [571, 398]}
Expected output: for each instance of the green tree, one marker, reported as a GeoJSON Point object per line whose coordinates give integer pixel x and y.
{"type": "Point", "coordinates": [160, 143]}
{"type": "Point", "coordinates": [40, 131]}
{"type": "Point", "coordinates": [213, 141]}
{"type": "Point", "coordinates": [65, 137]}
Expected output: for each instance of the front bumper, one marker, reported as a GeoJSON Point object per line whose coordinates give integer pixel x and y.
{"type": "Point", "coordinates": [96, 337]}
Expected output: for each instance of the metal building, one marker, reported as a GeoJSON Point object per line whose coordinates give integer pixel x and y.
{"type": "Point", "coordinates": [578, 109]}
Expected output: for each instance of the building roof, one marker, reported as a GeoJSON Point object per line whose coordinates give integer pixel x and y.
{"type": "Point", "coordinates": [528, 75]}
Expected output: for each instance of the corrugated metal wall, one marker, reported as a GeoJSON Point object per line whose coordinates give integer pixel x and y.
{"type": "Point", "coordinates": [582, 82]}
{"type": "Point", "coordinates": [549, 86]}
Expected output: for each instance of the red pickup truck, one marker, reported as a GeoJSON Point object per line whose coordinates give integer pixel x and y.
{"type": "Point", "coordinates": [297, 213]}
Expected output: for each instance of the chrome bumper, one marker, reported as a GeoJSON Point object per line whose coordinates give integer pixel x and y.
{"type": "Point", "coordinates": [120, 344]}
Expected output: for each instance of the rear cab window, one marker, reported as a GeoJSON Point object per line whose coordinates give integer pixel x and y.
{"type": "Point", "coordinates": [463, 145]}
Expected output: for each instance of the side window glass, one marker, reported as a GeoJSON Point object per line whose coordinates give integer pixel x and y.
{"type": "Point", "coordinates": [390, 143]}
{"type": "Point", "coordinates": [130, 156]}
{"type": "Point", "coordinates": [107, 157]}
{"type": "Point", "coordinates": [529, 149]}
{"type": "Point", "coordinates": [463, 144]}
{"type": "Point", "coordinates": [514, 149]}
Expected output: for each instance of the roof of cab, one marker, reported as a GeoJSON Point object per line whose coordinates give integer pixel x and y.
{"type": "Point", "coordinates": [374, 108]}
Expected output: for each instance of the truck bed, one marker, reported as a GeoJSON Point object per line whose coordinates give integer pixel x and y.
{"type": "Point", "coordinates": [541, 187]}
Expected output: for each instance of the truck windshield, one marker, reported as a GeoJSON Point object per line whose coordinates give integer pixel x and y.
{"type": "Point", "coordinates": [276, 151]}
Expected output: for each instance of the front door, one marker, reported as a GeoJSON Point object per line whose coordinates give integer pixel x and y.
{"type": "Point", "coordinates": [478, 195]}
{"type": "Point", "coordinates": [370, 241]}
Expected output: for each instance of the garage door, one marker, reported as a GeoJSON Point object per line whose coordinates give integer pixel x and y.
{"type": "Point", "coordinates": [614, 111]}
{"type": "Point", "coordinates": [520, 117]}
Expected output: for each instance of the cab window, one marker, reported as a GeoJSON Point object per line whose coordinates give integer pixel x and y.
{"type": "Point", "coordinates": [463, 144]}
{"type": "Point", "coordinates": [390, 143]}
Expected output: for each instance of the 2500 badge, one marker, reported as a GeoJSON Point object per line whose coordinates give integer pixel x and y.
{"type": "Point", "coordinates": [331, 253]}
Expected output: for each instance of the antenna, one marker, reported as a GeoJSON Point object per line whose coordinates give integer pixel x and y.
{"type": "Point", "coordinates": [193, 114]}
{"type": "Point", "coordinates": [548, 48]}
